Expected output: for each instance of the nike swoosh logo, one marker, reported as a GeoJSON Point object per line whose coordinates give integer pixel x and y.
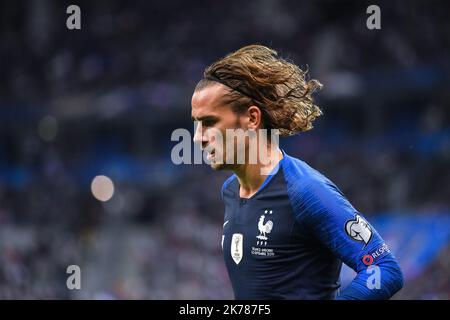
{"type": "Point", "coordinates": [225, 223]}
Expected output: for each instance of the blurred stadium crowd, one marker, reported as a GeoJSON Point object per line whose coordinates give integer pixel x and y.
{"type": "Point", "coordinates": [105, 100]}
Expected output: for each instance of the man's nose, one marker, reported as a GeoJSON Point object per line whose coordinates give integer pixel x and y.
{"type": "Point", "coordinates": [199, 137]}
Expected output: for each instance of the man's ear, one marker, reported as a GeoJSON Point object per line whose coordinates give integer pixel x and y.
{"type": "Point", "coordinates": [254, 117]}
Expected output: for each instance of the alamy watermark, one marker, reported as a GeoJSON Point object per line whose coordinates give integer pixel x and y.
{"type": "Point", "coordinates": [374, 20]}
{"type": "Point", "coordinates": [74, 280]}
{"type": "Point", "coordinates": [234, 146]}
{"type": "Point", "coordinates": [73, 21]}
{"type": "Point", "coordinates": [374, 280]}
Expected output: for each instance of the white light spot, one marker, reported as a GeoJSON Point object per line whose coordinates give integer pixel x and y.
{"type": "Point", "coordinates": [102, 188]}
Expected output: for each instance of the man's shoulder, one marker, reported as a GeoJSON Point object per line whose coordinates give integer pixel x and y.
{"type": "Point", "coordinates": [310, 191]}
{"type": "Point", "coordinates": [300, 174]}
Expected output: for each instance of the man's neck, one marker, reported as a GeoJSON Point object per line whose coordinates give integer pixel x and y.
{"type": "Point", "coordinates": [251, 176]}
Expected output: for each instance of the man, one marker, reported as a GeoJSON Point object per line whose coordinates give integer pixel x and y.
{"type": "Point", "coordinates": [287, 228]}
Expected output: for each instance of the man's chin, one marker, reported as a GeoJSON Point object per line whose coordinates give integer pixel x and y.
{"type": "Point", "coordinates": [217, 166]}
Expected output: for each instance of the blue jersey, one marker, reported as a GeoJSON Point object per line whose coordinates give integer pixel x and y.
{"type": "Point", "coordinates": [288, 241]}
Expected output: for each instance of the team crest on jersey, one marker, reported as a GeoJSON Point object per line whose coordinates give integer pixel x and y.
{"type": "Point", "coordinates": [359, 229]}
{"type": "Point", "coordinates": [237, 247]}
{"type": "Point", "coordinates": [264, 228]}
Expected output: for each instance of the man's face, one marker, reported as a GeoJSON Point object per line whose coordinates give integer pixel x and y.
{"type": "Point", "coordinates": [214, 115]}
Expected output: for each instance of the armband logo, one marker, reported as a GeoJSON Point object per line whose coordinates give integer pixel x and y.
{"type": "Point", "coordinates": [359, 230]}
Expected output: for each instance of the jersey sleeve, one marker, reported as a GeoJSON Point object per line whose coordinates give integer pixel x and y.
{"type": "Point", "coordinates": [321, 208]}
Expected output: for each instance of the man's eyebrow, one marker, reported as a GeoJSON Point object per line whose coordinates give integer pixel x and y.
{"type": "Point", "coordinates": [204, 118]}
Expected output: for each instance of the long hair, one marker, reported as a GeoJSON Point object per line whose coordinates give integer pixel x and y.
{"type": "Point", "coordinates": [257, 75]}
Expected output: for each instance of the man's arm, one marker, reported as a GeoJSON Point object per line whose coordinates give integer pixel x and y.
{"type": "Point", "coordinates": [322, 208]}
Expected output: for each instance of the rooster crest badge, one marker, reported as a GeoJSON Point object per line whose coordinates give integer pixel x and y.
{"type": "Point", "coordinates": [264, 228]}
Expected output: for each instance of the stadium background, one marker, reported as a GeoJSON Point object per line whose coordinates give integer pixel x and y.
{"type": "Point", "coordinates": [104, 100]}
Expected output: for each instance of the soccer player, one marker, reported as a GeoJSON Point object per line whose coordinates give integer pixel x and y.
{"type": "Point", "coordinates": [287, 229]}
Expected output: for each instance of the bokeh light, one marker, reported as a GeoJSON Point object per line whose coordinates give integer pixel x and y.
{"type": "Point", "coordinates": [48, 128]}
{"type": "Point", "coordinates": [102, 188]}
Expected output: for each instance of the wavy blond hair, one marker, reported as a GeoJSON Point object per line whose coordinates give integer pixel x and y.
{"type": "Point", "coordinates": [279, 88]}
